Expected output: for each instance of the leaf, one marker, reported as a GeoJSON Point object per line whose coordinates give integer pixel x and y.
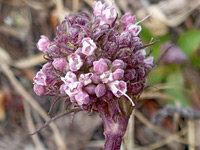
{"type": "Point", "coordinates": [156, 76]}
{"type": "Point", "coordinates": [176, 79]}
{"type": "Point", "coordinates": [189, 41]}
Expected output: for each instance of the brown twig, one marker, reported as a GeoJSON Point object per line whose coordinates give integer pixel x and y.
{"type": "Point", "coordinates": [31, 127]}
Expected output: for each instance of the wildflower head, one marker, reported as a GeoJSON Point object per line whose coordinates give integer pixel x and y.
{"type": "Point", "coordinates": [94, 55]}
{"type": "Point", "coordinates": [97, 62]}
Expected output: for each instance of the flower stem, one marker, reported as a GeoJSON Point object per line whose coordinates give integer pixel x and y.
{"type": "Point", "coordinates": [113, 142]}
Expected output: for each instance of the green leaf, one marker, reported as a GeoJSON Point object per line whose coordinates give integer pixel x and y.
{"type": "Point", "coordinates": [176, 79]}
{"type": "Point", "coordinates": [156, 76]}
{"type": "Point", "coordinates": [189, 41]}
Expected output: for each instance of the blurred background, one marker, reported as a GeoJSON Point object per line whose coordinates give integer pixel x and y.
{"type": "Point", "coordinates": [167, 117]}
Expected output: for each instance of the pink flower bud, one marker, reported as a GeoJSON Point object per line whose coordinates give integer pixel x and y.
{"type": "Point", "coordinates": [106, 77]}
{"type": "Point", "coordinates": [82, 98]}
{"type": "Point", "coordinates": [118, 88]}
{"type": "Point", "coordinates": [75, 62]}
{"type": "Point", "coordinates": [89, 46]}
{"type": "Point", "coordinates": [79, 52]}
{"type": "Point", "coordinates": [108, 15]}
{"type": "Point", "coordinates": [43, 43]}
{"type": "Point", "coordinates": [149, 61]}
{"type": "Point", "coordinates": [100, 90]}
{"type": "Point", "coordinates": [90, 89]}
{"type": "Point", "coordinates": [130, 74]}
{"type": "Point", "coordinates": [127, 19]}
{"type": "Point", "coordinates": [89, 60]}
{"type": "Point", "coordinates": [60, 64]}
{"type": "Point", "coordinates": [97, 7]}
{"type": "Point", "coordinates": [40, 78]}
{"type": "Point", "coordinates": [62, 89]}
{"type": "Point", "coordinates": [124, 39]}
{"type": "Point", "coordinates": [100, 66]}
{"type": "Point", "coordinates": [85, 79]}
{"type": "Point", "coordinates": [118, 74]}
{"type": "Point", "coordinates": [39, 89]}
{"type": "Point", "coordinates": [70, 77]}
{"type": "Point", "coordinates": [134, 29]}
{"type": "Point", "coordinates": [109, 95]}
{"type": "Point", "coordinates": [96, 79]}
{"type": "Point", "coordinates": [117, 64]}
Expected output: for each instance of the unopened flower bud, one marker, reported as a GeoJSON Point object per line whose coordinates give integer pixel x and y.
{"type": "Point", "coordinates": [127, 19]}
{"type": "Point", "coordinates": [134, 29]}
{"type": "Point", "coordinates": [96, 79]}
{"type": "Point", "coordinates": [60, 64]}
{"type": "Point", "coordinates": [124, 39]}
{"type": "Point", "coordinates": [89, 60]}
{"type": "Point", "coordinates": [149, 61]}
{"type": "Point", "coordinates": [100, 66]}
{"type": "Point", "coordinates": [40, 78]}
{"type": "Point", "coordinates": [118, 74]}
{"type": "Point", "coordinates": [43, 43]}
{"type": "Point", "coordinates": [117, 64]}
{"type": "Point", "coordinates": [82, 98]}
{"type": "Point", "coordinates": [100, 90]}
{"type": "Point", "coordinates": [90, 89]}
{"type": "Point", "coordinates": [130, 74]}
{"type": "Point", "coordinates": [39, 89]}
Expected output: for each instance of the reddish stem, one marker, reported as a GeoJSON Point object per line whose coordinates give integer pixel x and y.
{"type": "Point", "coordinates": [113, 142]}
{"type": "Point", "coordinates": [115, 122]}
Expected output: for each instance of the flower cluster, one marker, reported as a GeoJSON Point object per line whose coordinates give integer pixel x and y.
{"type": "Point", "coordinates": [94, 60]}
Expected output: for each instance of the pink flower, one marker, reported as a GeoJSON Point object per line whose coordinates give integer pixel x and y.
{"type": "Point", "coordinates": [97, 7]}
{"type": "Point", "coordinates": [70, 77]}
{"type": "Point", "coordinates": [117, 64]}
{"type": "Point", "coordinates": [82, 98]}
{"type": "Point", "coordinates": [100, 90]}
{"type": "Point", "coordinates": [89, 46]}
{"type": "Point", "coordinates": [118, 88]}
{"type": "Point", "coordinates": [43, 43]}
{"type": "Point", "coordinates": [100, 66]}
{"type": "Point", "coordinates": [108, 15]}
{"type": "Point", "coordinates": [75, 62]}
{"type": "Point", "coordinates": [149, 61]}
{"type": "Point", "coordinates": [133, 29]}
{"type": "Point", "coordinates": [60, 64]}
{"type": "Point", "coordinates": [118, 74]}
{"type": "Point", "coordinates": [40, 78]}
{"type": "Point", "coordinates": [72, 89]}
{"type": "Point", "coordinates": [85, 78]}
{"type": "Point", "coordinates": [39, 89]}
{"type": "Point", "coordinates": [127, 19]}
{"type": "Point", "coordinates": [106, 77]}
